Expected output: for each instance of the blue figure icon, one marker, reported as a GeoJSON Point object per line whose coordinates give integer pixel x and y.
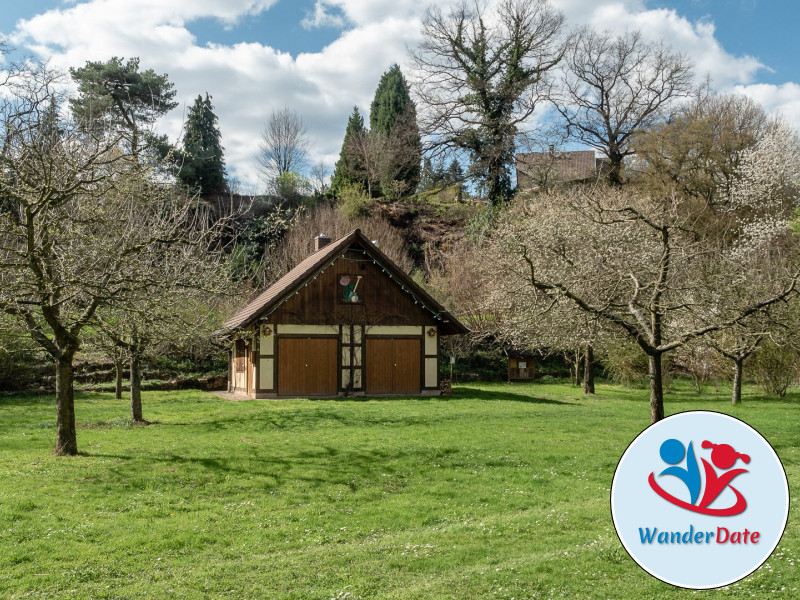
{"type": "Point", "coordinates": [672, 452]}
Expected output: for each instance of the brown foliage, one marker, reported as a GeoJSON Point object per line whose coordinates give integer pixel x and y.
{"type": "Point", "coordinates": [299, 241]}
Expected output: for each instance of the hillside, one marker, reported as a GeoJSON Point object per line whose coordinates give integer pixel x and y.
{"type": "Point", "coordinates": [430, 226]}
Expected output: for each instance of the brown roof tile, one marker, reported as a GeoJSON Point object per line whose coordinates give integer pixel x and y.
{"type": "Point", "coordinates": [316, 262]}
{"type": "Point", "coordinates": [562, 167]}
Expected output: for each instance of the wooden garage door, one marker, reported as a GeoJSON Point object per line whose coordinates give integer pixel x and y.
{"type": "Point", "coordinates": [307, 367]}
{"type": "Point", "coordinates": [393, 366]}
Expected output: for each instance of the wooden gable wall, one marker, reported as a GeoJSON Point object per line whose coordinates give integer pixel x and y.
{"type": "Point", "coordinates": [382, 301]}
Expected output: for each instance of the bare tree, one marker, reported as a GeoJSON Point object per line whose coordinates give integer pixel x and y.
{"type": "Point", "coordinates": [82, 227]}
{"type": "Point", "coordinates": [319, 178]}
{"type": "Point", "coordinates": [367, 148]}
{"type": "Point", "coordinates": [635, 264]}
{"type": "Point", "coordinates": [739, 345]}
{"type": "Point", "coordinates": [181, 310]}
{"type": "Point", "coordinates": [759, 262]}
{"type": "Point", "coordinates": [381, 159]}
{"type": "Point", "coordinates": [479, 77]}
{"type": "Point", "coordinates": [284, 144]}
{"type": "Point", "coordinates": [616, 85]}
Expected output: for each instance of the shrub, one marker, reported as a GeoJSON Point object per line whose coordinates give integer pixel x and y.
{"type": "Point", "coordinates": [776, 368]}
{"type": "Point", "coordinates": [353, 201]}
{"type": "Point", "coordinates": [625, 363]}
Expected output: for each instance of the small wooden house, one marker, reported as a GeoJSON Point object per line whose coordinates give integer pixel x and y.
{"type": "Point", "coordinates": [521, 364]}
{"type": "Point", "coordinates": [346, 320]}
{"type": "Point", "coordinates": [542, 170]}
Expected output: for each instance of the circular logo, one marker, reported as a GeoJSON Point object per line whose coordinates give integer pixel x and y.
{"type": "Point", "coordinates": [700, 500]}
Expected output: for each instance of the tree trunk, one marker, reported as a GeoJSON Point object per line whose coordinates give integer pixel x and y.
{"type": "Point", "coordinates": [588, 375]}
{"type": "Point", "coordinates": [656, 388]}
{"type": "Point", "coordinates": [66, 437]}
{"type": "Point", "coordinates": [615, 169]}
{"type": "Point", "coordinates": [118, 366]}
{"type": "Point", "coordinates": [737, 380]}
{"type": "Point", "coordinates": [136, 387]}
{"type": "Point", "coordinates": [575, 367]}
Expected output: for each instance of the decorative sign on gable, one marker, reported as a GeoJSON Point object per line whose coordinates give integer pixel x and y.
{"type": "Point", "coordinates": [350, 289]}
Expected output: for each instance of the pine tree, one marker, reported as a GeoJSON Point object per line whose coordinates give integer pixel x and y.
{"type": "Point", "coordinates": [426, 182]}
{"type": "Point", "coordinates": [394, 115]}
{"type": "Point", "coordinates": [454, 173]}
{"type": "Point", "coordinates": [203, 166]}
{"type": "Point", "coordinates": [117, 93]}
{"type": "Point", "coordinates": [348, 168]}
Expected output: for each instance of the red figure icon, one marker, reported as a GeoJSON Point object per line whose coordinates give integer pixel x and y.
{"type": "Point", "coordinates": [724, 457]}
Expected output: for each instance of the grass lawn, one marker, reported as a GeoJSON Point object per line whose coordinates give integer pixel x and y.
{"type": "Point", "coordinates": [500, 491]}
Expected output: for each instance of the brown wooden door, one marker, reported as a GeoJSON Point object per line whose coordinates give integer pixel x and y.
{"type": "Point", "coordinates": [379, 366]}
{"type": "Point", "coordinates": [393, 366]}
{"type": "Point", "coordinates": [307, 366]}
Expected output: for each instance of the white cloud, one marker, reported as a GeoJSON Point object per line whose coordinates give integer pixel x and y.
{"type": "Point", "coordinates": [783, 100]}
{"type": "Point", "coordinates": [322, 17]}
{"type": "Point", "coordinates": [694, 39]}
{"type": "Point", "coordinates": [366, 12]}
{"type": "Point", "coordinates": [249, 80]}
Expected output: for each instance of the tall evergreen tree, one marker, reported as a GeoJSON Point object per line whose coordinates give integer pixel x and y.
{"type": "Point", "coordinates": [426, 178]}
{"type": "Point", "coordinates": [203, 166]}
{"type": "Point", "coordinates": [348, 168]}
{"type": "Point", "coordinates": [116, 93]}
{"type": "Point", "coordinates": [394, 115]}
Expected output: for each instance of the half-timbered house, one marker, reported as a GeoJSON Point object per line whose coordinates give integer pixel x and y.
{"type": "Point", "coordinates": [346, 320]}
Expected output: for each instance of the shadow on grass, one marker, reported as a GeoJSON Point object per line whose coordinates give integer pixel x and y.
{"type": "Point", "coordinates": [462, 393]}
{"type": "Point", "coordinates": [319, 466]}
{"type": "Point", "coordinates": [459, 393]}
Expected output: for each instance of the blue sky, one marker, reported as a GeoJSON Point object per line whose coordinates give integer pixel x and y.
{"type": "Point", "coordinates": [765, 29]}
{"type": "Point", "coordinates": [280, 27]}
{"type": "Point", "coordinates": [322, 57]}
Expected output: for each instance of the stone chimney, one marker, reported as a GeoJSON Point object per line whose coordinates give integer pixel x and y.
{"type": "Point", "coordinates": [321, 241]}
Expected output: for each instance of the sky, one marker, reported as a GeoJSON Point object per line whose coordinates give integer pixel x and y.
{"type": "Point", "coordinates": [323, 57]}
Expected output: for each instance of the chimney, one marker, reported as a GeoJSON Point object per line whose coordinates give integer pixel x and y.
{"type": "Point", "coordinates": [552, 148]}
{"type": "Point", "coordinates": [321, 241]}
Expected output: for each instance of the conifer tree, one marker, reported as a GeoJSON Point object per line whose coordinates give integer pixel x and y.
{"type": "Point", "coordinates": [394, 115]}
{"type": "Point", "coordinates": [348, 168]}
{"type": "Point", "coordinates": [203, 166]}
{"type": "Point", "coordinates": [117, 93]}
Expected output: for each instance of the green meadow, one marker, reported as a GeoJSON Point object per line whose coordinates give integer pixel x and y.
{"type": "Point", "coordinates": [499, 491]}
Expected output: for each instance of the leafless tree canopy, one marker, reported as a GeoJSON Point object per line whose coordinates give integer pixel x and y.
{"type": "Point", "coordinates": [83, 226]}
{"type": "Point", "coordinates": [615, 85]}
{"type": "Point", "coordinates": [381, 159]}
{"type": "Point", "coordinates": [638, 265]}
{"type": "Point", "coordinates": [299, 241]}
{"type": "Point", "coordinates": [480, 75]}
{"type": "Point", "coordinates": [284, 144]}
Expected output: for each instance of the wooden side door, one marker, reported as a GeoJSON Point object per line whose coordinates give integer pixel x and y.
{"type": "Point", "coordinates": [307, 366]}
{"type": "Point", "coordinates": [393, 366]}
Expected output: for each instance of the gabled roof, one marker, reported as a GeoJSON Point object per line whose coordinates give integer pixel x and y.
{"type": "Point", "coordinates": [559, 167]}
{"type": "Point", "coordinates": [274, 295]}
